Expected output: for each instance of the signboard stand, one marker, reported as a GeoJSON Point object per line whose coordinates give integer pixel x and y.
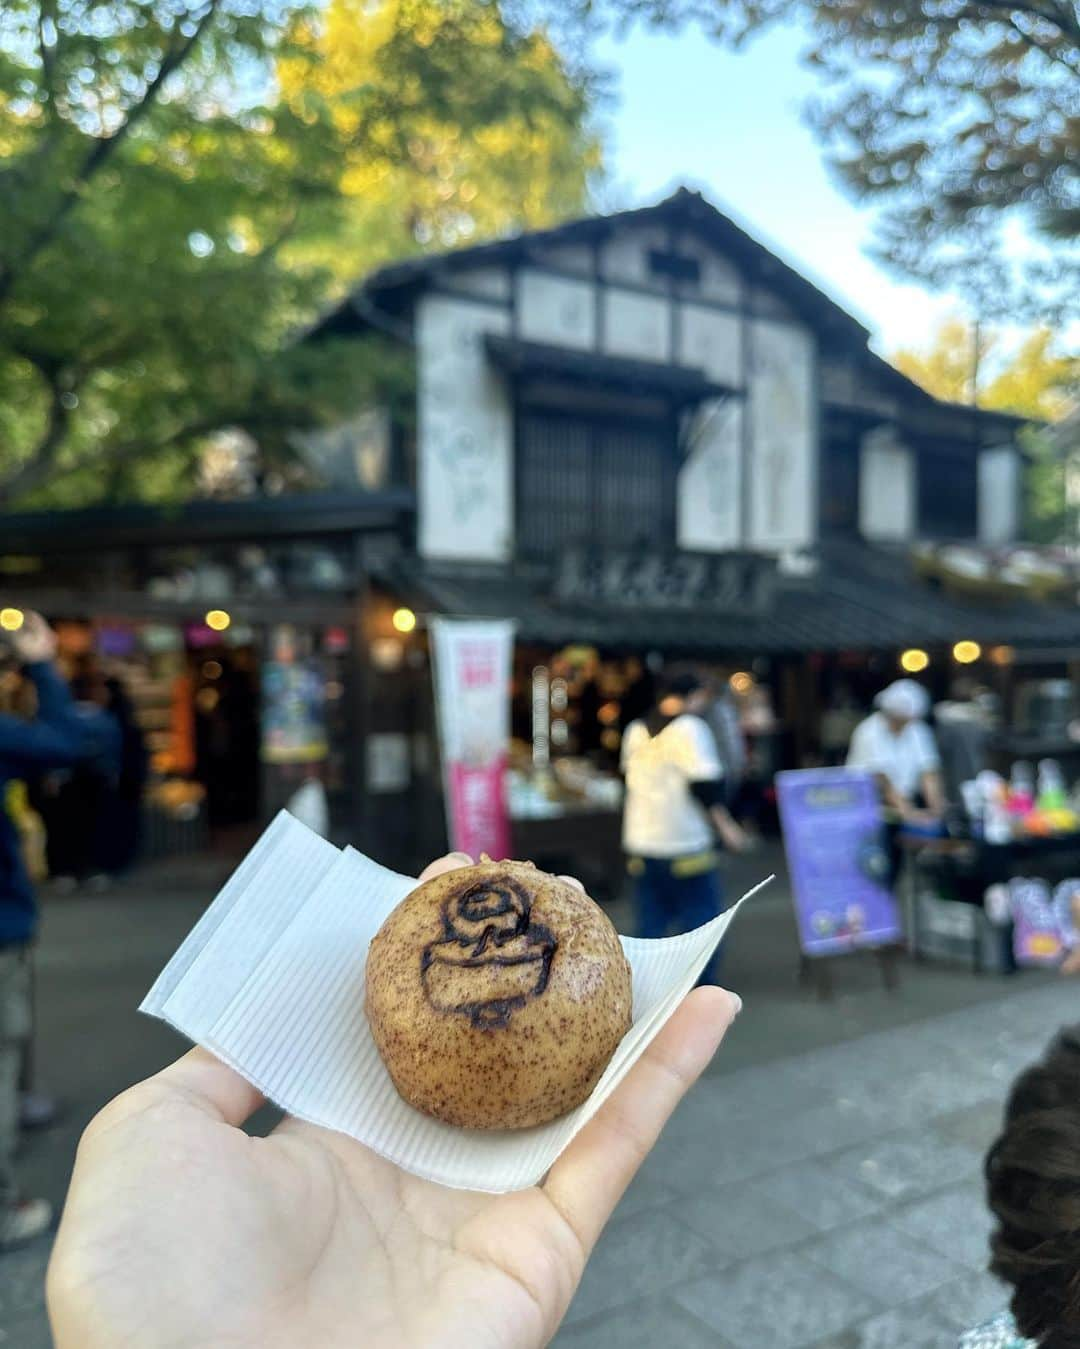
{"type": "Point", "coordinates": [833, 838]}
{"type": "Point", "coordinates": [818, 971]}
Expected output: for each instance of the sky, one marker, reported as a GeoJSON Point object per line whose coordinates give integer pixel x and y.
{"type": "Point", "coordinates": [728, 123]}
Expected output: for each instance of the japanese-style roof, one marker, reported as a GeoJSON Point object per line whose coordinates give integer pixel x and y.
{"type": "Point", "coordinates": [255, 518]}
{"type": "Point", "coordinates": [683, 207]}
{"type": "Point", "coordinates": [378, 302]}
{"type": "Point", "coordinates": [862, 598]}
{"type": "Point", "coordinates": [682, 382]}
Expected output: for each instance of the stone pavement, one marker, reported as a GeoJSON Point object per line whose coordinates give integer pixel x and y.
{"type": "Point", "coordinates": [832, 1199]}
{"type": "Point", "coordinates": [819, 1188]}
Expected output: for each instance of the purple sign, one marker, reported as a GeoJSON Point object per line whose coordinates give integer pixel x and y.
{"type": "Point", "coordinates": [831, 820]}
{"type": "Point", "coordinates": [1038, 938]}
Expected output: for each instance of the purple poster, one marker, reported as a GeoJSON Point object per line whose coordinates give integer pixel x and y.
{"type": "Point", "coordinates": [832, 836]}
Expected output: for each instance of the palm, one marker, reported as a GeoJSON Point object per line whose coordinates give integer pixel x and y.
{"type": "Point", "coordinates": [183, 1232]}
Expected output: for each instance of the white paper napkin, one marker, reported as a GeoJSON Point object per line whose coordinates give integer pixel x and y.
{"type": "Point", "coordinates": [271, 980]}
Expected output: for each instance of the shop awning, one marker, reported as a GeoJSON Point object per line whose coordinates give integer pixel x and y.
{"type": "Point", "coordinates": [861, 598]}
{"type": "Point", "coordinates": [683, 383]}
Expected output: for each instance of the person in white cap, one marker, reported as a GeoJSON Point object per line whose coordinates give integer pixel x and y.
{"type": "Point", "coordinates": [897, 746]}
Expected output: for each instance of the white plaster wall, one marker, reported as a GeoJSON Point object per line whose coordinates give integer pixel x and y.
{"type": "Point", "coordinates": [556, 310]}
{"type": "Point", "coordinates": [887, 487]}
{"type": "Point", "coordinates": [569, 257]}
{"type": "Point", "coordinates": [710, 479]}
{"type": "Point", "coordinates": [783, 436]}
{"type": "Point", "coordinates": [464, 434]}
{"type": "Point", "coordinates": [999, 495]}
{"type": "Point", "coordinates": [711, 339]}
{"type": "Point", "coordinates": [625, 255]}
{"type": "Point", "coordinates": [636, 325]}
{"type": "Point", "coordinates": [718, 280]}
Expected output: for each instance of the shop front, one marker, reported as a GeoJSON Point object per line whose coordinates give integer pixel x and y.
{"type": "Point", "coordinates": [238, 633]}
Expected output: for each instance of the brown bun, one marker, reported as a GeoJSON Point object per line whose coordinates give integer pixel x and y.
{"type": "Point", "coordinates": [497, 995]}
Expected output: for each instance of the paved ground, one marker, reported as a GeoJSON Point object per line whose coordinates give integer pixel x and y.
{"type": "Point", "coordinates": [819, 1188]}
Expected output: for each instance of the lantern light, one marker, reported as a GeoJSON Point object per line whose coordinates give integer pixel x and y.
{"type": "Point", "coordinates": [914, 660]}
{"type": "Point", "coordinates": [966, 653]}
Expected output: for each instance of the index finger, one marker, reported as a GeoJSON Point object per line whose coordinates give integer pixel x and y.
{"type": "Point", "coordinates": [212, 1087]}
{"type": "Point", "coordinates": [589, 1178]}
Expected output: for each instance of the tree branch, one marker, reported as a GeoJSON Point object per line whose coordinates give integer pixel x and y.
{"type": "Point", "coordinates": [34, 471]}
{"type": "Point", "coordinates": [103, 149]}
{"type": "Point", "coordinates": [108, 459]}
{"type": "Point", "coordinates": [1057, 16]}
{"type": "Point", "coordinates": [47, 53]}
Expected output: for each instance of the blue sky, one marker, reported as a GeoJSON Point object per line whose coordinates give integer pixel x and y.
{"type": "Point", "coordinates": [729, 124]}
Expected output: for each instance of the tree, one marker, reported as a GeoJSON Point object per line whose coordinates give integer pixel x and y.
{"type": "Point", "coordinates": [960, 117]}
{"type": "Point", "coordinates": [448, 171]}
{"type": "Point", "coordinates": [177, 180]}
{"type": "Point", "coordinates": [1036, 380]}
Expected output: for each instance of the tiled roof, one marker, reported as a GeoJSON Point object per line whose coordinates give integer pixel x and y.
{"type": "Point", "coordinates": [862, 598]}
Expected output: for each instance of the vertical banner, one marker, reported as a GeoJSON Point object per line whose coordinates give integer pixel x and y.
{"type": "Point", "coordinates": [832, 828]}
{"type": "Point", "coordinates": [472, 702]}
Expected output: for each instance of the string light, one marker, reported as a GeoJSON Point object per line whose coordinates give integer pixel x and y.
{"type": "Point", "coordinates": [11, 620]}
{"type": "Point", "coordinates": [1002, 655]}
{"type": "Point", "coordinates": [741, 682]}
{"type": "Point", "coordinates": [218, 620]}
{"type": "Point", "coordinates": [404, 620]}
{"type": "Point", "coordinates": [966, 653]}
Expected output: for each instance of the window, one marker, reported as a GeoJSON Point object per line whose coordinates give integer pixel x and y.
{"type": "Point", "coordinates": [840, 486]}
{"type": "Point", "coordinates": [948, 495]}
{"type": "Point", "coordinates": [676, 265]}
{"type": "Point", "coordinates": [594, 481]}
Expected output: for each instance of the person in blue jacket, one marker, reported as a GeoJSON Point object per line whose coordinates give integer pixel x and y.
{"type": "Point", "coordinates": [54, 737]}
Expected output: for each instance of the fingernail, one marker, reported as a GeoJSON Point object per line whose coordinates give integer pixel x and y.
{"type": "Point", "coordinates": [737, 1001]}
{"type": "Point", "coordinates": [573, 880]}
{"type": "Point", "coordinates": [462, 857]}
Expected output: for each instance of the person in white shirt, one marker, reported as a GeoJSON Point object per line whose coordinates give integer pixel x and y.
{"type": "Point", "coordinates": [896, 745]}
{"type": "Point", "coordinates": [674, 811]}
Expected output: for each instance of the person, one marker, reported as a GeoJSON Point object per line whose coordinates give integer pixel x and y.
{"type": "Point", "coordinates": [897, 746]}
{"type": "Point", "coordinates": [118, 838]}
{"type": "Point", "coordinates": [1033, 1190]}
{"type": "Point", "coordinates": [180, 1229]}
{"type": "Point", "coordinates": [722, 717]}
{"type": "Point", "coordinates": [75, 803]}
{"type": "Point", "coordinates": [674, 810]}
{"type": "Point", "coordinates": [53, 737]}
{"type": "Point", "coordinates": [963, 733]}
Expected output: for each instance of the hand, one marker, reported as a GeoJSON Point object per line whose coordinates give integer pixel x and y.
{"type": "Point", "coordinates": [35, 641]}
{"type": "Point", "coordinates": [182, 1232]}
{"type": "Point", "coordinates": [732, 835]}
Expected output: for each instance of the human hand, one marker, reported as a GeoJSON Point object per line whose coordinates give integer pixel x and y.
{"type": "Point", "coordinates": [35, 640]}
{"type": "Point", "coordinates": [182, 1232]}
{"type": "Point", "coordinates": [732, 835]}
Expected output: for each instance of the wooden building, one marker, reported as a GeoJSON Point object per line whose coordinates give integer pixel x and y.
{"type": "Point", "coordinates": [641, 433]}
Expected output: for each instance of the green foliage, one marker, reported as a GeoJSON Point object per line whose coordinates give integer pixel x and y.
{"type": "Point", "coordinates": [960, 117]}
{"type": "Point", "coordinates": [1047, 516]}
{"type": "Point", "coordinates": [176, 203]}
{"type": "Point", "coordinates": [1037, 380]}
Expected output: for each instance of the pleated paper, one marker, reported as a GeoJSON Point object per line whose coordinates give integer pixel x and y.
{"type": "Point", "coordinates": [271, 980]}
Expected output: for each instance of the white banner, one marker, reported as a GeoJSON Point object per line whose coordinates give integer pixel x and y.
{"type": "Point", "coordinates": [472, 703]}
